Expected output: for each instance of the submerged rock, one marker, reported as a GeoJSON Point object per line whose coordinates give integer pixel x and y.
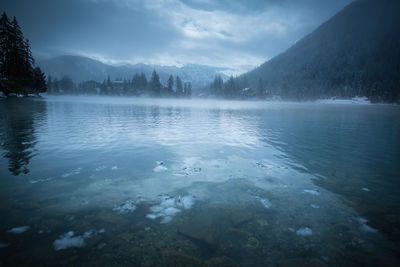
{"type": "Point", "coordinates": [303, 262]}
{"type": "Point", "coordinates": [175, 258]}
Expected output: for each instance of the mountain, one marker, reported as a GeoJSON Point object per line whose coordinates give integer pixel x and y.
{"type": "Point", "coordinates": [84, 69]}
{"type": "Point", "coordinates": [356, 52]}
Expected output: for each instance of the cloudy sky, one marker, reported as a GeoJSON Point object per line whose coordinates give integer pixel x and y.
{"type": "Point", "coordinates": [237, 34]}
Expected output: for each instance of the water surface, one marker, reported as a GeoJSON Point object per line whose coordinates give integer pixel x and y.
{"type": "Point", "coordinates": [125, 181]}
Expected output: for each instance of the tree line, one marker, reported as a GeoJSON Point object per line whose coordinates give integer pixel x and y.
{"type": "Point", "coordinates": [139, 85]}
{"type": "Point", "coordinates": [237, 87]}
{"type": "Point", "coordinates": [18, 74]}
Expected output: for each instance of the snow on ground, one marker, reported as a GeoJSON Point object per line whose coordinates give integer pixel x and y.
{"type": "Point", "coordinates": [355, 100]}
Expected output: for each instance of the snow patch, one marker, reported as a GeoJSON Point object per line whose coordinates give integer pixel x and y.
{"type": "Point", "coordinates": [355, 100]}
{"type": "Point", "coordinates": [365, 189]}
{"type": "Point", "coordinates": [114, 168]}
{"type": "Point", "coordinates": [19, 230]}
{"type": "Point", "coordinates": [314, 206]}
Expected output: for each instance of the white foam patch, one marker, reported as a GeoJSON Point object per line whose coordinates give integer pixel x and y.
{"type": "Point", "coordinates": [3, 245]}
{"type": "Point", "coordinates": [169, 207]}
{"type": "Point", "coordinates": [68, 240]}
{"type": "Point", "coordinates": [74, 172]}
{"type": "Point", "coordinates": [128, 206]}
{"type": "Point", "coordinates": [41, 180]}
{"type": "Point", "coordinates": [19, 230]}
{"type": "Point", "coordinates": [314, 206]}
{"type": "Point", "coordinates": [312, 192]}
{"type": "Point", "coordinates": [365, 189]}
{"type": "Point", "coordinates": [304, 231]}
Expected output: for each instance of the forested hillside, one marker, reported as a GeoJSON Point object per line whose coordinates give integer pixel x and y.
{"type": "Point", "coordinates": [355, 53]}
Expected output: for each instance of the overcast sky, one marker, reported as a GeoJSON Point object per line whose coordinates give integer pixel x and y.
{"type": "Point", "coordinates": [238, 34]}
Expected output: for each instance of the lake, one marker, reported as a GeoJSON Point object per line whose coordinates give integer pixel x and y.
{"type": "Point", "coordinates": [142, 182]}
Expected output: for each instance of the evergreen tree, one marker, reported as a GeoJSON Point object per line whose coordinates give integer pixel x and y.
{"type": "Point", "coordinates": [188, 89]}
{"type": "Point", "coordinates": [39, 81]}
{"type": "Point", "coordinates": [155, 84]}
{"type": "Point", "coordinates": [179, 86]}
{"type": "Point", "coordinates": [170, 84]}
{"type": "Point", "coordinates": [17, 72]}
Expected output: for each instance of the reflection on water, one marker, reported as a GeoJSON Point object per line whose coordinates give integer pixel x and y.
{"type": "Point", "coordinates": [17, 132]}
{"type": "Point", "coordinates": [117, 182]}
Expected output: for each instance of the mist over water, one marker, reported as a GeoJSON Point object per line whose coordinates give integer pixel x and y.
{"type": "Point", "coordinates": [209, 182]}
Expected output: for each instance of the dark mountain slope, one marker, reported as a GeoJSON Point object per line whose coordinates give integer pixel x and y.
{"type": "Point", "coordinates": [356, 52]}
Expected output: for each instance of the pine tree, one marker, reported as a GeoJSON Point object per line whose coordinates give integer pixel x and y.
{"type": "Point", "coordinates": [170, 84]}
{"type": "Point", "coordinates": [179, 86]}
{"type": "Point", "coordinates": [39, 81]}
{"type": "Point", "coordinates": [17, 73]}
{"type": "Point", "coordinates": [155, 84]}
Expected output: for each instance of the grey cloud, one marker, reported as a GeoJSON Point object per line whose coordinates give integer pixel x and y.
{"type": "Point", "coordinates": [245, 32]}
